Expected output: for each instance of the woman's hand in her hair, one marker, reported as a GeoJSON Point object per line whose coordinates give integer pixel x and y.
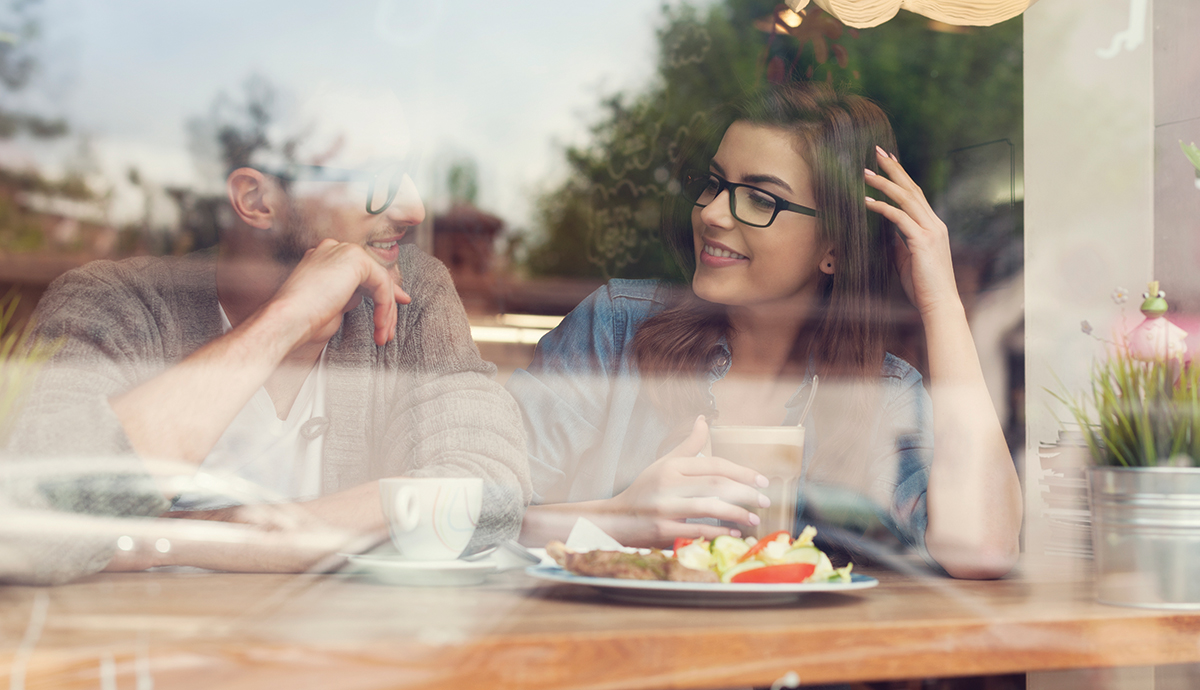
{"type": "Point", "coordinates": [974, 495]}
{"type": "Point", "coordinates": [680, 485]}
{"type": "Point", "coordinates": [922, 251]}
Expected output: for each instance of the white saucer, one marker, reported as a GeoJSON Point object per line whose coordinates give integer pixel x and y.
{"type": "Point", "coordinates": [394, 570]}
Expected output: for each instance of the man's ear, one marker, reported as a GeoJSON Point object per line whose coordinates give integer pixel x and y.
{"type": "Point", "coordinates": [254, 197]}
{"type": "Point", "coordinates": [828, 263]}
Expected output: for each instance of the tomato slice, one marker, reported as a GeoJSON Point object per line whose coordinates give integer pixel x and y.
{"type": "Point", "coordinates": [762, 544]}
{"type": "Point", "coordinates": [788, 572]}
{"type": "Point", "coordinates": [681, 542]}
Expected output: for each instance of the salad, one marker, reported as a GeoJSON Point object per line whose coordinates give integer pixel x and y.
{"type": "Point", "coordinates": [776, 558]}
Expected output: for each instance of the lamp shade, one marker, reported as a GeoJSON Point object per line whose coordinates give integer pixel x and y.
{"type": "Point", "coordinates": [863, 14]}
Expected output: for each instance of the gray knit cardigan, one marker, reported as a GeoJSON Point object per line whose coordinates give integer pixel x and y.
{"type": "Point", "coordinates": [424, 405]}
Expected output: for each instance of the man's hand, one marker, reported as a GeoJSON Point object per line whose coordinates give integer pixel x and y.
{"type": "Point", "coordinates": [285, 537]}
{"type": "Point", "coordinates": [181, 413]}
{"type": "Point", "coordinates": [331, 280]}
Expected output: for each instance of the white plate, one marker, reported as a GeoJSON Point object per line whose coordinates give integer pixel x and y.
{"type": "Point", "coordinates": [698, 593]}
{"type": "Point", "coordinates": [394, 570]}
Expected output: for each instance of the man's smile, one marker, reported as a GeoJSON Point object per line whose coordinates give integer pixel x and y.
{"type": "Point", "coordinates": [386, 249]}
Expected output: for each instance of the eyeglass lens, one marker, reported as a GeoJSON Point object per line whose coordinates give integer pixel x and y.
{"type": "Point", "coordinates": [747, 204]}
{"type": "Point", "coordinates": [383, 186]}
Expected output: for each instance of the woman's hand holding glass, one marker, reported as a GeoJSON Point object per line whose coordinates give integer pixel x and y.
{"type": "Point", "coordinates": [682, 485]}
{"type": "Point", "coordinates": [922, 252]}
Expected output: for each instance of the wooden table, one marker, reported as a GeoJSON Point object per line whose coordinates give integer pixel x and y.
{"type": "Point", "coordinates": [202, 630]}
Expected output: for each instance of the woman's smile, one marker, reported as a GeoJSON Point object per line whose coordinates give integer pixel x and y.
{"type": "Point", "coordinates": [717, 255]}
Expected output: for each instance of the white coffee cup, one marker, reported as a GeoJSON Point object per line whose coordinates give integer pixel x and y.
{"type": "Point", "coordinates": [431, 519]}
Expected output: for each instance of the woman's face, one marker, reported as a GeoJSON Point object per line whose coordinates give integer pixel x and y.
{"type": "Point", "coordinates": [746, 266]}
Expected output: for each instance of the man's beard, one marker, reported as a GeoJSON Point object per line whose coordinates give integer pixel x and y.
{"type": "Point", "coordinates": [298, 232]}
{"type": "Point", "coordinates": [294, 236]}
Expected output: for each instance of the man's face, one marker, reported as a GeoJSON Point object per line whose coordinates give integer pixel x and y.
{"type": "Point", "coordinates": [326, 210]}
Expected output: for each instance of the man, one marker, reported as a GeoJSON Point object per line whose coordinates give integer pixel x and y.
{"type": "Point", "coordinates": [312, 356]}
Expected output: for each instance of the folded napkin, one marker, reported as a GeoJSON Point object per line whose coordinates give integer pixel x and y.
{"type": "Point", "coordinates": [586, 536]}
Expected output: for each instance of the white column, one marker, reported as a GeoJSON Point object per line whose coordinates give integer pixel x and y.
{"type": "Point", "coordinates": [1177, 118]}
{"type": "Point", "coordinates": [1089, 198]}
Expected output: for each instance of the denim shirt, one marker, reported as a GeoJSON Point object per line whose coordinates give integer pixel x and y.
{"type": "Point", "coordinates": [591, 429]}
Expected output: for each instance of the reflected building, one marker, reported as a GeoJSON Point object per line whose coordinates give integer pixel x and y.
{"type": "Point", "coordinates": [464, 239]}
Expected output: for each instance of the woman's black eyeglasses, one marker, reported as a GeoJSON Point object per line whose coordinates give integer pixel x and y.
{"type": "Point", "coordinates": [382, 182]}
{"type": "Point", "coordinates": [750, 205]}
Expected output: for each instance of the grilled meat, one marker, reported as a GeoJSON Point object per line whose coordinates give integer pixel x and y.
{"type": "Point", "coordinates": [627, 566]}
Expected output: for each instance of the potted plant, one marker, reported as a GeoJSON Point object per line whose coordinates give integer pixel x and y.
{"type": "Point", "coordinates": [1141, 422]}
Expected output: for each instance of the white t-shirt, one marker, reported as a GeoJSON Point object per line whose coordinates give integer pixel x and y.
{"type": "Point", "coordinates": [262, 458]}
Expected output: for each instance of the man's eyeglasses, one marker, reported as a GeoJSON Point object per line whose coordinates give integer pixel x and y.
{"type": "Point", "coordinates": [383, 182]}
{"type": "Point", "coordinates": [750, 205]}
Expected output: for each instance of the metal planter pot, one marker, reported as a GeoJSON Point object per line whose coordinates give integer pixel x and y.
{"type": "Point", "coordinates": [1146, 536]}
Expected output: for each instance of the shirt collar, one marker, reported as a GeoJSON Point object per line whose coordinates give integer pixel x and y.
{"type": "Point", "coordinates": [722, 360]}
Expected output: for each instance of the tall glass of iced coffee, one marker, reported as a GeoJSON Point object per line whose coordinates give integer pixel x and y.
{"type": "Point", "coordinates": [777, 453]}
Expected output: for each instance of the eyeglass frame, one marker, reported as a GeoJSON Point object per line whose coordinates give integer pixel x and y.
{"type": "Point", "coordinates": [781, 204]}
{"type": "Point", "coordinates": [323, 173]}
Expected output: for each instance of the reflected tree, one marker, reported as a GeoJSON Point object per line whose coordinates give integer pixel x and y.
{"type": "Point", "coordinates": [236, 129]}
{"type": "Point", "coordinates": [945, 88]}
{"type": "Point", "coordinates": [602, 221]}
{"type": "Point", "coordinates": [20, 28]}
{"type": "Point", "coordinates": [462, 182]}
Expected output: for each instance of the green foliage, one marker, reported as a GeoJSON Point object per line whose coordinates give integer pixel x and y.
{"type": "Point", "coordinates": [20, 354]}
{"type": "Point", "coordinates": [71, 186]}
{"type": "Point", "coordinates": [603, 220]}
{"type": "Point", "coordinates": [20, 28]}
{"type": "Point", "coordinates": [236, 129]}
{"type": "Point", "coordinates": [1192, 153]}
{"type": "Point", "coordinates": [463, 182]}
{"type": "Point", "coordinates": [1146, 413]}
{"type": "Point", "coordinates": [18, 231]}
{"type": "Point", "coordinates": [21, 230]}
{"type": "Point", "coordinates": [942, 90]}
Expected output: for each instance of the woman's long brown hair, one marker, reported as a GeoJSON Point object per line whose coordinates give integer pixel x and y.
{"type": "Point", "coordinates": [836, 133]}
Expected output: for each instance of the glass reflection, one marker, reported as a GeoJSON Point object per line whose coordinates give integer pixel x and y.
{"type": "Point", "coordinates": [531, 151]}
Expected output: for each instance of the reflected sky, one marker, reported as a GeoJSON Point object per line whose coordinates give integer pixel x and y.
{"type": "Point", "coordinates": [506, 84]}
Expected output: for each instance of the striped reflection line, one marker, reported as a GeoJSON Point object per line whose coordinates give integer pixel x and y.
{"type": "Point", "coordinates": [507, 334]}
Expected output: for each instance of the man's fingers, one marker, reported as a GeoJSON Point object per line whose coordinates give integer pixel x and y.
{"type": "Point", "coordinates": [379, 285]}
{"type": "Point", "coordinates": [322, 246]}
{"type": "Point", "coordinates": [355, 300]}
{"type": "Point", "coordinates": [384, 326]}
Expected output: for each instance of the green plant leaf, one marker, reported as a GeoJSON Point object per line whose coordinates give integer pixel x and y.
{"type": "Point", "coordinates": [1192, 153]}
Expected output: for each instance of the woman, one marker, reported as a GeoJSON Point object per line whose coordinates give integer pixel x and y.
{"type": "Point", "coordinates": [791, 269]}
